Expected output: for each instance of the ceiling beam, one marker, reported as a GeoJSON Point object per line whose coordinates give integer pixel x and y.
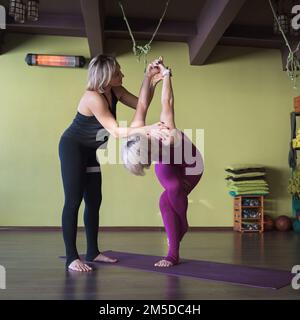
{"type": "Point", "coordinates": [144, 28]}
{"type": "Point", "coordinates": [73, 25]}
{"type": "Point", "coordinates": [259, 37]}
{"type": "Point", "coordinates": [212, 22]}
{"type": "Point", "coordinates": [50, 24]}
{"type": "Point", "coordinates": [249, 36]}
{"type": "Point", "coordinates": [93, 16]}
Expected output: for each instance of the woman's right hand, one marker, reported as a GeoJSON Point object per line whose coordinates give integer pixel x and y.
{"type": "Point", "coordinates": [155, 67]}
{"type": "Point", "coordinates": [151, 70]}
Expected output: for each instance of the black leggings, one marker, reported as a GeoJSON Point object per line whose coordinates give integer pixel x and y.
{"type": "Point", "coordinates": [81, 177]}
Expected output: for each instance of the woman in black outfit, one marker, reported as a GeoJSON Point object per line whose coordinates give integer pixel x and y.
{"type": "Point", "coordinates": [81, 174]}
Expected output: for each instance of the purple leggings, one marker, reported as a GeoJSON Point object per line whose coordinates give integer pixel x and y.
{"type": "Point", "coordinates": [174, 203]}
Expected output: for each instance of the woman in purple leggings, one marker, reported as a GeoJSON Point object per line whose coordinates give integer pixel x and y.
{"type": "Point", "coordinates": [179, 164]}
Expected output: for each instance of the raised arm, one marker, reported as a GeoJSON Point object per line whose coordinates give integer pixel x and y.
{"type": "Point", "coordinates": [167, 98]}
{"type": "Point", "coordinates": [145, 97]}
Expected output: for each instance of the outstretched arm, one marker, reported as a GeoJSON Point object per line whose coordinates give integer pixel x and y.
{"type": "Point", "coordinates": [100, 109]}
{"type": "Point", "coordinates": [167, 98]}
{"type": "Point", "coordinates": [145, 97]}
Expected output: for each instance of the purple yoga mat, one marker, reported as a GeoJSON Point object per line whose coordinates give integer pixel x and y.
{"type": "Point", "coordinates": [237, 274]}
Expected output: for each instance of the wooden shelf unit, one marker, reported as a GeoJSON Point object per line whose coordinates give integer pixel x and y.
{"type": "Point", "coordinates": [241, 222]}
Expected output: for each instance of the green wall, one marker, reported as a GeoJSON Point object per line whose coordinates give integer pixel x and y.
{"type": "Point", "coordinates": [241, 98]}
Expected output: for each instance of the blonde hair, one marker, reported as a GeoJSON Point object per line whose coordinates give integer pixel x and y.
{"type": "Point", "coordinates": [100, 72]}
{"type": "Point", "coordinates": [135, 154]}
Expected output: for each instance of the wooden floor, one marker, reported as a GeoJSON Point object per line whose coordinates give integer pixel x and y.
{"type": "Point", "coordinates": [35, 272]}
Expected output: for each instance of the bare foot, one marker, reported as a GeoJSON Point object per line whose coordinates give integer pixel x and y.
{"type": "Point", "coordinates": [163, 263]}
{"type": "Point", "coordinates": [78, 265]}
{"type": "Point", "coordinates": [102, 258]}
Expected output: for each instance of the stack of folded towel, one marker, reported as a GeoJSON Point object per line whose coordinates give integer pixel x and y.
{"type": "Point", "coordinates": [246, 179]}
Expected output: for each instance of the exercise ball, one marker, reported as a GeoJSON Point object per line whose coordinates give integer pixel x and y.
{"type": "Point", "coordinates": [283, 223]}
{"type": "Point", "coordinates": [268, 223]}
{"type": "Point", "coordinates": [296, 226]}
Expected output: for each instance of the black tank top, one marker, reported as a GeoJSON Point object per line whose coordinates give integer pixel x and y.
{"type": "Point", "coordinates": [88, 130]}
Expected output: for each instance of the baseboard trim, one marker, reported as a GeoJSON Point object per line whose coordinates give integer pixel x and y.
{"type": "Point", "coordinates": [112, 229]}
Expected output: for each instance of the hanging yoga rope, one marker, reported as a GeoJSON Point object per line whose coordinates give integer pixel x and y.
{"type": "Point", "coordinates": [138, 50]}
{"type": "Point", "coordinates": [292, 63]}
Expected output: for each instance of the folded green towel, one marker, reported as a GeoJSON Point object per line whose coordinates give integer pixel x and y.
{"type": "Point", "coordinates": [249, 174]}
{"type": "Point", "coordinates": [254, 186]}
{"type": "Point", "coordinates": [249, 189]}
{"type": "Point", "coordinates": [244, 166]}
{"type": "Point", "coordinates": [247, 183]}
{"type": "Point", "coordinates": [244, 178]}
